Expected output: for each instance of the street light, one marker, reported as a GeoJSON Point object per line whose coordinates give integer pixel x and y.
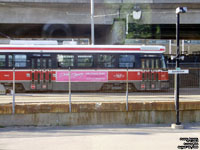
{"type": "Point", "coordinates": [176, 89]}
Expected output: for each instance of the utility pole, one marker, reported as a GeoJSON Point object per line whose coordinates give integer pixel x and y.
{"type": "Point", "coordinates": [92, 22]}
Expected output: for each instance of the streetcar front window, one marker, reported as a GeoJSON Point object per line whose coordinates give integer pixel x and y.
{"type": "Point", "coordinates": [2, 60]}
{"type": "Point", "coordinates": [163, 62]}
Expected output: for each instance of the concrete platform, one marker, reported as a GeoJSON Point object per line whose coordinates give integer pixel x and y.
{"type": "Point", "coordinates": [94, 113]}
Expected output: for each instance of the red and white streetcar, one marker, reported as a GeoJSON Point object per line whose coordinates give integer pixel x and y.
{"type": "Point", "coordinates": [91, 67]}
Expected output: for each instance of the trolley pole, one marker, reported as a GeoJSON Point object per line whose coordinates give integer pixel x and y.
{"type": "Point", "coordinates": [13, 91]}
{"type": "Point", "coordinates": [70, 108]}
{"type": "Point", "coordinates": [127, 89]}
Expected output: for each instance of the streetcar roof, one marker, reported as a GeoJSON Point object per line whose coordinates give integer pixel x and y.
{"type": "Point", "coordinates": [84, 48]}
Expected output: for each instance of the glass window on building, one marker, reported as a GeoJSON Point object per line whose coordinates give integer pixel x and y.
{"type": "Point", "coordinates": [65, 61]}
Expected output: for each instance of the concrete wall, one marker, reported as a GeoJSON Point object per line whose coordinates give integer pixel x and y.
{"type": "Point", "coordinates": [100, 1]}
{"type": "Point", "coordinates": [118, 32]}
{"type": "Point", "coordinates": [78, 12]}
{"type": "Point", "coordinates": [98, 113]}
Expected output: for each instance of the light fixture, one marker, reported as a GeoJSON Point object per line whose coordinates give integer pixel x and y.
{"type": "Point", "coordinates": [137, 13]}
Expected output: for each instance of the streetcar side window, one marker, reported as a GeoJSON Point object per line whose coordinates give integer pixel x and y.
{"type": "Point", "coordinates": [126, 61]}
{"type": "Point", "coordinates": [106, 61]}
{"type": "Point", "coordinates": [20, 60]}
{"type": "Point", "coordinates": [85, 61]}
{"type": "Point", "coordinates": [2, 60]}
{"type": "Point", "coordinates": [65, 60]}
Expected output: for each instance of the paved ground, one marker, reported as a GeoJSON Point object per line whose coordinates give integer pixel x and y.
{"type": "Point", "coordinates": [185, 95]}
{"type": "Point", "coordinates": [115, 137]}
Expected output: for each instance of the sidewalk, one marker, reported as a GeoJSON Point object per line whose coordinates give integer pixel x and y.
{"type": "Point", "coordinates": [98, 137]}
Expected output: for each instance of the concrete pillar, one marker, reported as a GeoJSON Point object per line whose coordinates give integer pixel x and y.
{"type": "Point", "coordinates": [118, 33]}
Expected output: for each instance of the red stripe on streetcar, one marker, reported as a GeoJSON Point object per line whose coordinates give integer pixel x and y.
{"type": "Point", "coordinates": [64, 48]}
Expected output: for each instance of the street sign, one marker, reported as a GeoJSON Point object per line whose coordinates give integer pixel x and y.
{"type": "Point", "coordinates": [184, 71]}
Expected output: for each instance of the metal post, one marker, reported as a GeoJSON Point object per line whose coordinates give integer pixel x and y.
{"type": "Point", "coordinates": [127, 20]}
{"type": "Point", "coordinates": [127, 89]}
{"type": "Point", "coordinates": [13, 91]}
{"type": "Point", "coordinates": [92, 22]}
{"type": "Point", "coordinates": [170, 47]}
{"type": "Point", "coordinates": [177, 75]}
{"type": "Point", "coordinates": [183, 48]}
{"type": "Point", "coordinates": [199, 77]}
{"type": "Point", "coordinates": [70, 108]}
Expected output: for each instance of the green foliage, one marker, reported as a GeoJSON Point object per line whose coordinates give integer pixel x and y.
{"type": "Point", "coordinates": [139, 31]}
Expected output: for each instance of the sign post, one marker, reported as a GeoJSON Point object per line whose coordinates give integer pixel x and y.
{"type": "Point", "coordinates": [176, 76]}
{"type": "Point", "coordinates": [13, 91]}
{"type": "Point", "coordinates": [70, 108]}
{"type": "Point", "coordinates": [127, 89]}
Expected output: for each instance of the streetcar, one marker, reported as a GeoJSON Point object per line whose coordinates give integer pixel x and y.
{"type": "Point", "coordinates": [47, 68]}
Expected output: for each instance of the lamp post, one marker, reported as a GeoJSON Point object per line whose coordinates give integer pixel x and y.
{"type": "Point", "coordinates": [176, 89]}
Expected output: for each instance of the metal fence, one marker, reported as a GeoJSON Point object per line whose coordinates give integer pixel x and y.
{"type": "Point", "coordinates": [189, 86]}
{"type": "Point", "coordinates": [189, 91]}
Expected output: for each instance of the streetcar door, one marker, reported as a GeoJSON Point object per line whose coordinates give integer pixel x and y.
{"type": "Point", "coordinates": [155, 71]}
{"type": "Point", "coordinates": [150, 73]}
{"type": "Point", "coordinates": [41, 73]}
